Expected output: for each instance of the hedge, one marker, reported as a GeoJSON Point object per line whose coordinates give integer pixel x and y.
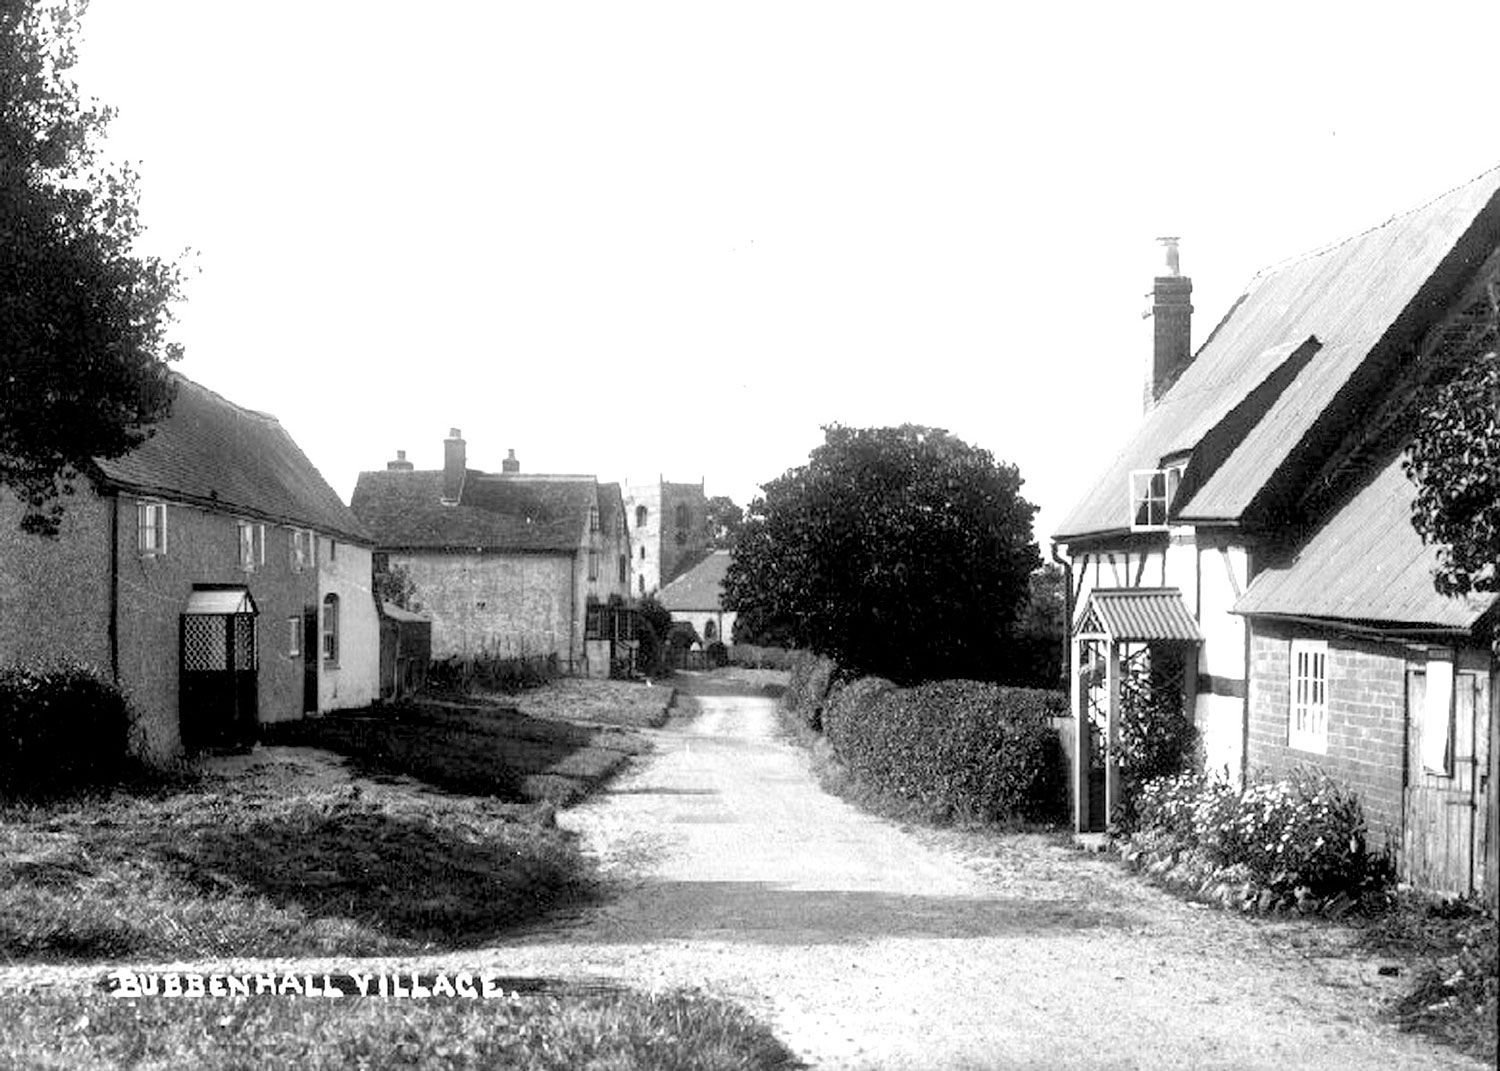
{"type": "Point", "coordinates": [958, 749]}
{"type": "Point", "coordinates": [807, 687]}
{"type": "Point", "coordinates": [63, 726]}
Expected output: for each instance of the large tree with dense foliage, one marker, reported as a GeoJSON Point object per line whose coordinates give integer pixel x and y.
{"type": "Point", "coordinates": [83, 317]}
{"type": "Point", "coordinates": [903, 552]}
{"type": "Point", "coordinates": [723, 519]}
{"type": "Point", "coordinates": [1454, 459]}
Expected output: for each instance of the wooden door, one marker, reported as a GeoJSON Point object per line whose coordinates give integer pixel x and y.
{"type": "Point", "coordinates": [1445, 823]}
{"type": "Point", "coordinates": [312, 651]}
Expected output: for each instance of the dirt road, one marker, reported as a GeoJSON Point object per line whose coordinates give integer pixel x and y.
{"type": "Point", "coordinates": [867, 945]}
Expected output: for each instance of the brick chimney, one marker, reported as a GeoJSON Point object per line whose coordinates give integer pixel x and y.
{"type": "Point", "coordinates": [510, 465]}
{"type": "Point", "coordinates": [400, 464]}
{"type": "Point", "coordinates": [1172, 314]}
{"type": "Point", "coordinates": [455, 460]}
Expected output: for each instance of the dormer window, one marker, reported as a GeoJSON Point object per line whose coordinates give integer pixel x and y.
{"type": "Point", "coordinates": [1151, 493]}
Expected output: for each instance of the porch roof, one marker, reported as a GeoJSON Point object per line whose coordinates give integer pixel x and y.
{"type": "Point", "coordinates": [221, 600]}
{"type": "Point", "coordinates": [1138, 615]}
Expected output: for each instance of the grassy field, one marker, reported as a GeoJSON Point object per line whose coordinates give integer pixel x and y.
{"type": "Point", "coordinates": [615, 1031]}
{"type": "Point", "coordinates": [288, 857]}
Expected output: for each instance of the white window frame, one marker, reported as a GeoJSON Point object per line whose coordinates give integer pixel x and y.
{"type": "Point", "coordinates": [330, 632]}
{"type": "Point", "coordinates": [252, 549]}
{"type": "Point", "coordinates": [1145, 491]}
{"type": "Point", "coordinates": [151, 528]}
{"type": "Point", "coordinates": [1307, 705]}
{"type": "Point", "coordinates": [302, 552]}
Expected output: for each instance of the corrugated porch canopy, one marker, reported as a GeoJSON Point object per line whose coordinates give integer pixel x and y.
{"type": "Point", "coordinates": [227, 600]}
{"type": "Point", "coordinates": [1137, 615]}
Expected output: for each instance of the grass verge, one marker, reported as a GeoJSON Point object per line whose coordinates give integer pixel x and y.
{"type": "Point", "coordinates": [275, 862]}
{"type": "Point", "coordinates": [1452, 997]}
{"type": "Point", "coordinates": [619, 1031]}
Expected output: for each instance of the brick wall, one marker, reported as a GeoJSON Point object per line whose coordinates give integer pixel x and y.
{"type": "Point", "coordinates": [1366, 719]}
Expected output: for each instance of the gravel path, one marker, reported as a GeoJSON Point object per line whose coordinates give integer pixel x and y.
{"type": "Point", "coordinates": [868, 945]}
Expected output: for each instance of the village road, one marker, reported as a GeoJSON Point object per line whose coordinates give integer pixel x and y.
{"type": "Point", "coordinates": [869, 945]}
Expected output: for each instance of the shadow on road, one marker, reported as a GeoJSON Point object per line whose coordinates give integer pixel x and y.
{"type": "Point", "coordinates": [766, 913]}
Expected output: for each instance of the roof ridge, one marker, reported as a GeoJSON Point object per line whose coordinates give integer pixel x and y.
{"type": "Point", "coordinates": [1328, 247]}
{"type": "Point", "coordinates": [269, 418]}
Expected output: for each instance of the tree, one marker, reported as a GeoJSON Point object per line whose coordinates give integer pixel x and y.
{"type": "Point", "coordinates": [900, 551]}
{"type": "Point", "coordinates": [393, 583]}
{"type": "Point", "coordinates": [83, 351]}
{"type": "Point", "coordinates": [1454, 460]}
{"type": "Point", "coordinates": [723, 519]}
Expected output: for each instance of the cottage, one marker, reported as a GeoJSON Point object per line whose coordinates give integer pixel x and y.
{"type": "Point", "coordinates": [508, 564]}
{"type": "Point", "coordinates": [212, 572]}
{"type": "Point", "coordinates": [695, 597]}
{"type": "Point", "coordinates": [1249, 552]}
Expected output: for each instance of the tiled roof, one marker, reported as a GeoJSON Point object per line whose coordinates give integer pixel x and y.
{"type": "Point", "coordinates": [521, 513]}
{"type": "Point", "coordinates": [1139, 615]}
{"type": "Point", "coordinates": [212, 453]}
{"type": "Point", "coordinates": [1288, 358]}
{"type": "Point", "coordinates": [699, 587]}
{"type": "Point", "coordinates": [1366, 564]}
{"type": "Point", "coordinates": [611, 506]}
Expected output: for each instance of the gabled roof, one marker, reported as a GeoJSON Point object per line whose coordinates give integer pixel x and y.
{"type": "Point", "coordinates": [508, 512]}
{"type": "Point", "coordinates": [211, 453]}
{"type": "Point", "coordinates": [1367, 564]}
{"type": "Point", "coordinates": [1295, 358]}
{"type": "Point", "coordinates": [611, 506]}
{"type": "Point", "coordinates": [698, 588]}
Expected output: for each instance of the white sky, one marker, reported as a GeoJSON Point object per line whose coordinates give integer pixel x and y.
{"type": "Point", "coordinates": [641, 238]}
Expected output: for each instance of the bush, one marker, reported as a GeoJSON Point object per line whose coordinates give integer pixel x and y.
{"type": "Point", "coordinates": [718, 655]}
{"type": "Point", "coordinates": [751, 656]}
{"type": "Point", "coordinates": [807, 688]}
{"type": "Point", "coordinates": [63, 726]}
{"type": "Point", "coordinates": [957, 749]}
{"type": "Point", "coordinates": [1305, 832]}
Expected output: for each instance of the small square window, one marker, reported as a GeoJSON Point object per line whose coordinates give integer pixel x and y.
{"type": "Point", "coordinates": [151, 528]}
{"type": "Point", "coordinates": [1307, 719]}
{"type": "Point", "coordinates": [1151, 494]}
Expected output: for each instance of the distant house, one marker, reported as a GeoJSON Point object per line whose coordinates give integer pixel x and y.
{"type": "Point", "coordinates": [1250, 548]}
{"type": "Point", "coordinates": [696, 598]}
{"type": "Point", "coordinates": [507, 564]}
{"type": "Point", "coordinates": [212, 572]}
{"type": "Point", "coordinates": [668, 529]}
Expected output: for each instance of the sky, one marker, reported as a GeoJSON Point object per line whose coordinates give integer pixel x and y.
{"type": "Point", "coordinates": [651, 239]}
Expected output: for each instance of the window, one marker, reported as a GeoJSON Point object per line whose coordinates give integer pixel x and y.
{"type": "Point", "coordinates": [681, 515]}
{"type": "Point", "coordinates": [1151, 492]}
{"type": "Point", "coordinates": [252, 545]}
{"type": "Point", "coordinates": [710, 631]}
{"type": "Point", "coordinates": [643, 554]}
{"type": "Point", "coordinates": [593, 518]}
{"type": "Point", "coordinates": [640, 582]}
{"type": "Point", "coordinates": [294, 637]}
{"type": "Point", "coordinates": [331, 630]}
{"type": "Point", "coordinates": [624, 569]}
{"type": "Point", "coordinates": [595, 621]}
{"type": "Point", "coordinates": [151, 527]}
{"type": "Point", "coordinates": [593, 565]}
{"type": "Point", "coordinates": [1307, 724]}
{"type": "Point", "coordinates": [640, 516]}
{"type": "Point", "coordinates": [301, 544]}
{"type": "Point", "coordinates": [1437, 715]}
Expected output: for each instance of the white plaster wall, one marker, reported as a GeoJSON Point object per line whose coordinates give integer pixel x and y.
{"type": "Point", "coordinates": [355, 681]}
{"type": "Point", "coordinates": [699, 619]}
{"type": "Point", "coordinates": [1223, 572]}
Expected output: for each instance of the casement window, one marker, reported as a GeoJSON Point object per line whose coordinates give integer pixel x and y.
{"type": "Point", "coordinates": [331, 630]}
{"type": "Point", "coordinates": [151, 528]}
{"type": "Point", "coordinates": [1151, 493]}
{"type": "Point", "coordinates": [593, 518]}
{"type": "Point", "coordinates": [640, 516]}
{"type": "Point", "coordinates": [596, 621]}
{"type": "Point", "coordinates": [1307, 719]}
{"type": "Point", "coordinates": [301, 546]}
{"type": "Point", "coordinates": [294, 637]}
{"type": "Point", "coordinates": [252, 545]}
{"type": "Point", "coordinates": [593, 565]}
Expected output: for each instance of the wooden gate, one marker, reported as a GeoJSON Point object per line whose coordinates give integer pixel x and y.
{"type": "Point", "coordinates": [1445, 834]}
